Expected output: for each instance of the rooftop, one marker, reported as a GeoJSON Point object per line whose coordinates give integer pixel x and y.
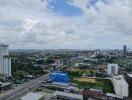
{"type": "Point", "coordinates": [130, 75]}
{"type": "Point", "coordinates": [60, 84]}
{"type": "Point", "coordinates": [32, 96]}
{"type": "Point", "coordinates": [58, 72]}
{"type": "Point", "coordinates": [71, 95]}
{"type": "Point", "coordinates": [119, 80]}
{"type": "Point", "coordinates": [5, 84]}
{"type": "Point", "coordinates": [112, 64]}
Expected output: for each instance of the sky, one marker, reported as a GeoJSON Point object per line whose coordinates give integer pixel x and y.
{"type": "Point", "coordinates": [66, 24]}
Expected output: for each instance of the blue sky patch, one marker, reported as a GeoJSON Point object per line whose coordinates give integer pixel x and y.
{"type": "Point", "coordinates": [61, 7]}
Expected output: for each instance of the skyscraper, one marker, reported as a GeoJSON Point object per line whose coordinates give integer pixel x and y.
{"type": "Point", "coordinates": [125, 50]}
{"type": "Point", "coordinates": [5, 61]}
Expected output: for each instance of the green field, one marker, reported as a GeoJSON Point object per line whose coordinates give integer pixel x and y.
{"type": "Point", "coordinates": [105, 84]}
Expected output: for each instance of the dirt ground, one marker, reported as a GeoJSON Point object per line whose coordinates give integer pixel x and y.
{"type": "Point", "coordinates": [90, 80]}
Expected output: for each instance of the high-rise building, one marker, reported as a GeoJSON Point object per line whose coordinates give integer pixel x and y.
{"type": "Point", "coordinates": [5, 61]}
{"type": "Point", "coordinates": [112, 69]}
{"type": "Point", "coordinates": [125, 50]}
{"type": "Point", "coordinates": [97, 51]}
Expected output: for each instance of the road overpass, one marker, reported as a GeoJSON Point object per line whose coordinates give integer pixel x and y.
{"type": "Point", "coordinates": [13, 94]}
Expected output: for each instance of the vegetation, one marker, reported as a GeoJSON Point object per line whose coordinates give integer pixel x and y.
{"type": "Point", "coordinates": [126, 64]}
{"type": "Point", "coordinates": [74, 72]}
{"type": "Point", "coordinates": [22, 66]}
{"type": "Point", "coordinates": [105, 84]}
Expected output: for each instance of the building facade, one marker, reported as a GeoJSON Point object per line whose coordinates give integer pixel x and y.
{"type": "Point", "coordinates": [5, 61]}
{"type": "Point", "coordinates": [112, 69]}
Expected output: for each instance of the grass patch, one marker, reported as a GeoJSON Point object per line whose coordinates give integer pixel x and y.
{"type": "Point", "coordinates": [105, 84]}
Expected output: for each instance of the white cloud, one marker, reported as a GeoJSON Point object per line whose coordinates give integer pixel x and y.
{"type": "Point", "coordinates": [29, 24]}
{"type": "Point", "coordinates": [79, 3]}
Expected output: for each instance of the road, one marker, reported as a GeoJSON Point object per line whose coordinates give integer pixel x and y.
{"type": "Point", "coordinates": [22, 89]}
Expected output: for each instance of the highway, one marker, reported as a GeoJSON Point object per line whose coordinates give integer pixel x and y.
{"type": "Point", "coordinates": [13, 94]}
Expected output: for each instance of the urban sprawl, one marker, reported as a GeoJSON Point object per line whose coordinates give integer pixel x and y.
{"type": "Point", "coordinates": [65, 74]}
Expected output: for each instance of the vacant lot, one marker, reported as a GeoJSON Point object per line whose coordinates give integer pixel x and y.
{"type": "Point", "coordinates": [105, 84]}
{"type": "Point", "coordinates": [90, 80]}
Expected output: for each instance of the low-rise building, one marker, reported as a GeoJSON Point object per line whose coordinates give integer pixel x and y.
{"type": "Point", "coordinates": [58, 76]}
{"type": "Point", "coordinates": [94, 94]}
{"type": "Point", "coordinates": [5, 86]}
{"type": "Point", "coordinates": [129, 55]}
{"type": "Point", "coordinates": [32, 96]}
{"type": "Point", "coordinates": [58, 95]}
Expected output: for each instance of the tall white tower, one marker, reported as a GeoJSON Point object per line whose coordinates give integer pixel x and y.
{"type": "Point", "coordinates": [5, 61]}
{"type": "Point", "coordinates": [112, 69]}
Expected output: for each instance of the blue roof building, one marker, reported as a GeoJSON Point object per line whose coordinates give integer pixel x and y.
{"type": "Point", "coordinates": [59, 77]}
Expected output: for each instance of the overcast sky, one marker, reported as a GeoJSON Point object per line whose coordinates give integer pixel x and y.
{"type": "Point", "coordinates": [66, 24]}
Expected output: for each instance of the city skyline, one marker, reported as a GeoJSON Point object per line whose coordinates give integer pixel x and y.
{"type": "Point", "coordinates": [66, 24]}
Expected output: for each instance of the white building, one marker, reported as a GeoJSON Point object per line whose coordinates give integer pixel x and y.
{"type": "Point", "coordinates": [112, 69]}
{"type": "Point", "coordinates": [5, 61]}
{"type": "Point", "coordinates": [33, 96]}
{"type": "Point", "coordinates": [120, 86]}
